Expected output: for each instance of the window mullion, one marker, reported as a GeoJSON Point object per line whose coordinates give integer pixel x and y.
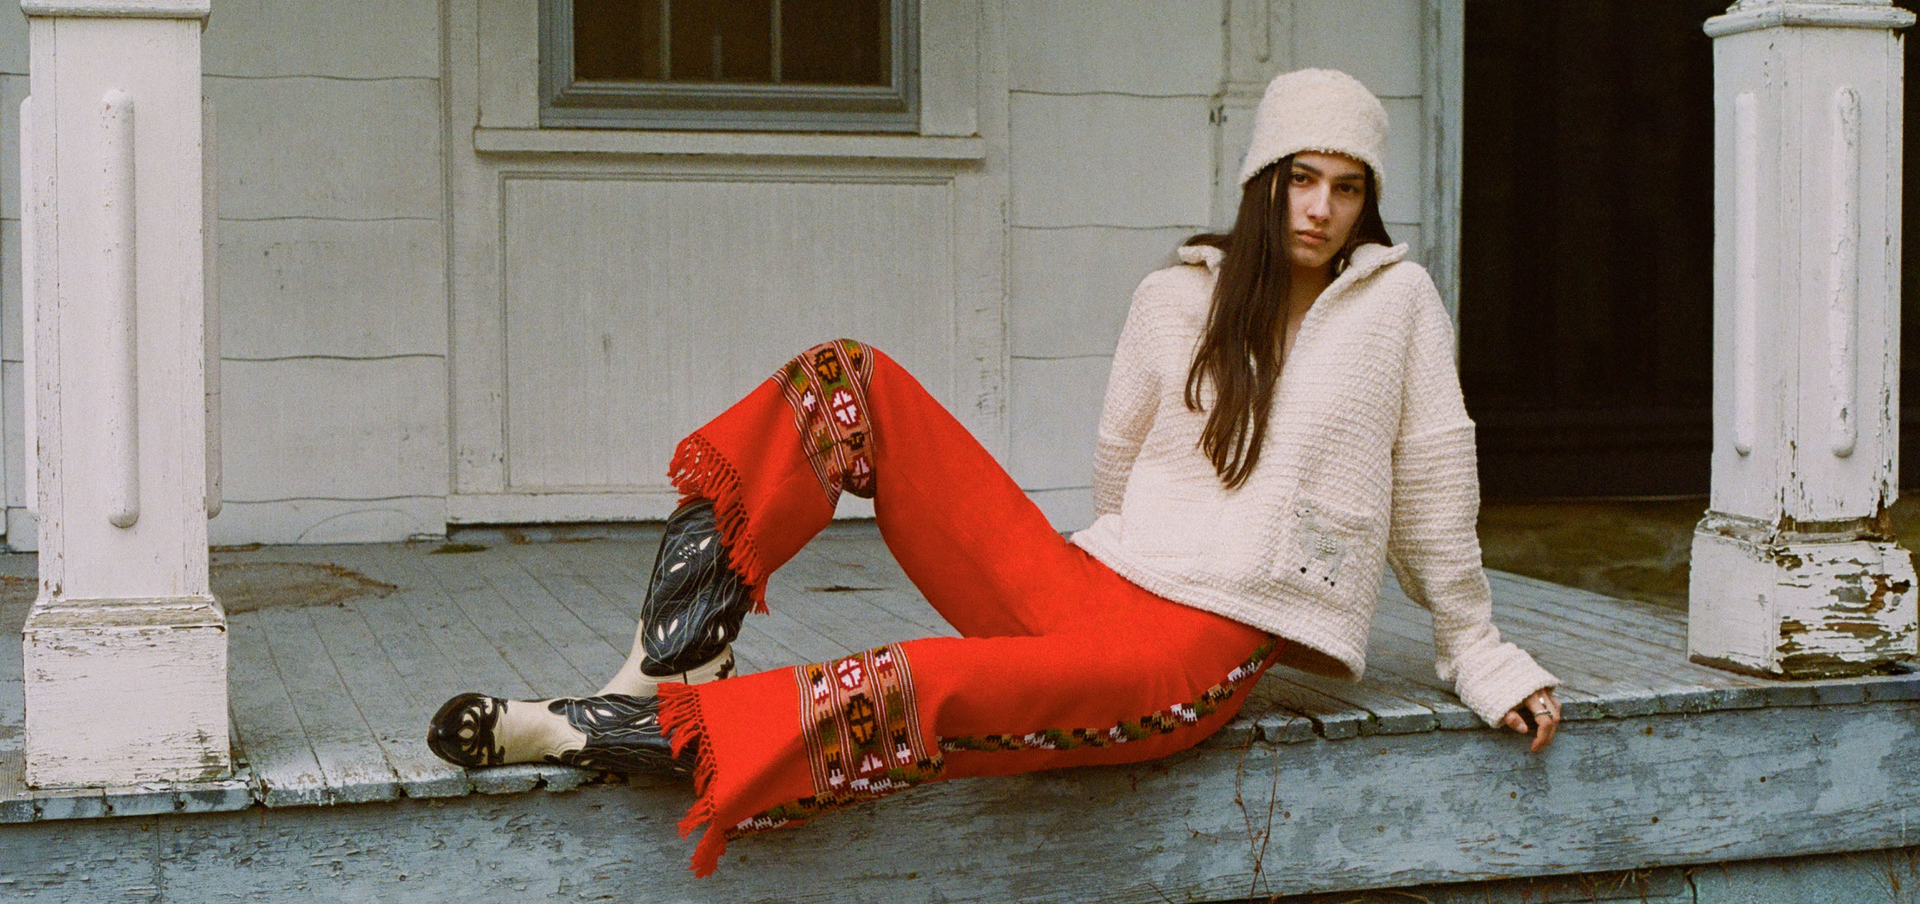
{"type": "Point", "coordinates": [775, 32]}
{"type": "Point", "coordinates": [662, 97]}
{"type": "Point", "coordinates": [666, 40]}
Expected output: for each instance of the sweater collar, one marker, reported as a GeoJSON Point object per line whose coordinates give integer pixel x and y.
{"type": "Point", "coordinates": [1366, 259]}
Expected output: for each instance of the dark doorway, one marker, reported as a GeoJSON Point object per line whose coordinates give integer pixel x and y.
{"type": "Point", "coordinates": [1586, 251]}
{"type": "Point", "coordinates": [1586, 247]}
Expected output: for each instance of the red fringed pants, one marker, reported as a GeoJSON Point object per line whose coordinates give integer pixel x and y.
{"type": "Point", "coordinates": [1061, 662]}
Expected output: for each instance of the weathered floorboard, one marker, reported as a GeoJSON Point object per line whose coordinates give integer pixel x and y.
{"type": "Point", "coordinates": [505, 629]}
{"type": "Point", "coordinates": [275, 745]}
{"type": "Point", "coordinates": [605, 599]}
{"type": "Point", "coordinates": [1375, 808]}
{"type": "Point", "coordinates": [393, 707]}
{"type": "Point", "coordinates": [1404, 668]}
{"type": "Point", "coordinates": [578, 661]}
{"type": "Point", "coordinates": [1607, 693]}
{"type": "Point", "coordinates": [1391, 713]}
{"type": "Point", "coordinates": [13, 620]}
{"type": "Point", "coordinates": [1332, 719]}
{"type": "Point", "coordinates": [352, 763]}
{"type": "Point", "coordinates": [1376, 811]}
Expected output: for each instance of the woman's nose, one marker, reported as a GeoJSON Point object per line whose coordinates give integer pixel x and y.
{"type": "Point", "coordinates": [1318, 204]}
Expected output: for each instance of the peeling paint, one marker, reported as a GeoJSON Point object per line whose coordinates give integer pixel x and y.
{"type": "Point", "coordinates": [1832, 607]}
{"type": "Point", "coordinates": [110, 659]}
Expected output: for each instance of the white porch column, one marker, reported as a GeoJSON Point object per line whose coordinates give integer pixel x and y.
{"type": "Point", "coordinates": [1795, 573]}
{"type": "Point", "coordinates": [126, 658]}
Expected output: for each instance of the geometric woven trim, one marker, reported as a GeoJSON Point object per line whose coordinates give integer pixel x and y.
{"type": "Point", "coordinates": [826, 386]}
{"type": "Point", "coordinates": [863, 737]}
{"type": "Point", "coordinates": [1159, 722]}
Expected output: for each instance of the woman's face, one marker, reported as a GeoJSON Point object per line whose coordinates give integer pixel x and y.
{"type": "Point", "coordinates": [1325, 193]}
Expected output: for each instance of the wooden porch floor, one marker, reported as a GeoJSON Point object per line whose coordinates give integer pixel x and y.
{"type": "Point", "coordinates": [331, 696]}
{"type": "Point", "coordinates": [339, 655]}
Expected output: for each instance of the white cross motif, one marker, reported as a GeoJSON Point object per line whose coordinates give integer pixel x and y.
{"type": "Point", "coordinates": [844, 409]}
{"type": "Point", "coordinates": [851, 674]}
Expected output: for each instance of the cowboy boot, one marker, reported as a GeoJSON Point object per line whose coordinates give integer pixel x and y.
{"type": "Point", "coordinates": [692, 613]}
{"type": "Point", "coordinates": [609, 733]}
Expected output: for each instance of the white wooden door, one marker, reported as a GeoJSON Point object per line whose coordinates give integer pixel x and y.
{"type": "Point", "coordinates": [635, 307]}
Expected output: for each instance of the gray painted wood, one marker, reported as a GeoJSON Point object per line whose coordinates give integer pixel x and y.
{"type": "Point", "coordinates": [1371, 812]}
{"type": "Point", "coordinates": [1610, 691]}
{"type": "Point", "coordinates": [537, 604]}
{"type": "Point", "coordinates": [1332, 718]}
{"type": "Point", "coordinates": [1280, 726]}
{"type": "Point", "coordinates": [1408, 633]}
{"type": "Point", "coordinates": [352, 764]}
{"type": "Point", "coordinates": [854, 555]}
{"type": "Point", "coordinates": [603, 597]}
{"type": "Point", "coordinates": [1392, 713]}
{"type": "Point", "coordinates": [391, 706]}
{"type": "Point", "coordinates": [1404, 668]}
{"type": "Point", "coordinates": [778, 639]}
{"type": "Point", "coordinates": [271, 740]}
{"type": "Point", "coordinates": [847, 607]}
{"type": "Point", "coordinates": [330, 705]}
{"type": "Point", "coordinates": [506, 626]}
{"type": "Point", "coordinates": [13, 619]}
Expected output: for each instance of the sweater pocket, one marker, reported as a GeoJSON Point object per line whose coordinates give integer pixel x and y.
{"type": "Point", "coordinates": [1323, 545]}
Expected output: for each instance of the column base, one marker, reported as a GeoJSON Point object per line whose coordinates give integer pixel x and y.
{"type": "Point", "coordinates": [120, 692]}
{"type": "Point", "coordinates": [1798, 606]}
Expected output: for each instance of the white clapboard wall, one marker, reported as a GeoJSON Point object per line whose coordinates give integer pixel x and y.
{"type": "Point", "coordinates": [434, 311]}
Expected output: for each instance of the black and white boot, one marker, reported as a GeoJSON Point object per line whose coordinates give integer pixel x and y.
{"type": "Point", "coordinates": [609, 733]}
{"type": "Point", "coordinates": [692, 613]}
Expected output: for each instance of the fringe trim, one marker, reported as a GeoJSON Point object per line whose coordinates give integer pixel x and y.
{"type": "Point", "coordinates": [686, 726]}
{"type": "Point", "coordinates": [700, 471]}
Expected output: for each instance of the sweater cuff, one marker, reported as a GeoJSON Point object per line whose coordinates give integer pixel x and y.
{"type": "Point", "coordinates": [1501, 683]}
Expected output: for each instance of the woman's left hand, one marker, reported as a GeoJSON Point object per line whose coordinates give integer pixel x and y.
{"type": "Point", "coordinates": [1543, 711]}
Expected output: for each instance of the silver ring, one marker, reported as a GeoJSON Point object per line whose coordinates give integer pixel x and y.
{"type": "Point", "coordinates": [1543, 712]}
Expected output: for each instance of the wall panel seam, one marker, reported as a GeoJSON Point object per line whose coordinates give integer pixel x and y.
{"type": "Point", "coordinates": [1134, 94]}
{"type": "Point", "coordinates": [402, 498]}
{"type": "Point", "coordinates": [1117, 226]}
{"type": "Point", "coordinates": [323, 357]}
{"type": "Point", "coordinates": [360, 79]}
{"type": "Point", "coordinates": [307, 218]}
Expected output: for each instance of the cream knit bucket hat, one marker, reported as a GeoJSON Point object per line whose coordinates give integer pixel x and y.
{"type": "Point", "coordinates": [1318, 110]}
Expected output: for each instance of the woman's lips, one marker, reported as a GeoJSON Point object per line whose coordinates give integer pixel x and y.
{"type": "Point", "coordinates": [1309, 237]}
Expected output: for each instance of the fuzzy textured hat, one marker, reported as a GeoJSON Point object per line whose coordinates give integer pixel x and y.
{"type": "Point", "coordinates": [1318, 110]}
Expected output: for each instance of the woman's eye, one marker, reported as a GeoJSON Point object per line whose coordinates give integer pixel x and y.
{"type": "Point", "coordinates": [1349, 188]}
{"type": "Point", "coordinates": [1298, 178]}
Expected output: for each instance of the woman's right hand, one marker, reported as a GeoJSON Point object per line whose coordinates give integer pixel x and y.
{"type": "Point", "coordinates": [1544, 711]}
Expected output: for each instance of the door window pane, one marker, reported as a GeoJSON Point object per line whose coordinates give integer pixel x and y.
{"type": "Point", "coordinates": [806, 57]}
{"type": "Point", "coordinates": [834, 42]}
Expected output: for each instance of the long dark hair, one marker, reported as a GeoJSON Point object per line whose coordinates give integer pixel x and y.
{"type": "Point", "coordinates": [1242, 347]}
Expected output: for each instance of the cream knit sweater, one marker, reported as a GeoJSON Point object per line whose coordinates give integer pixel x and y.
{"type": "Point", "coordinates": [1368, 456]}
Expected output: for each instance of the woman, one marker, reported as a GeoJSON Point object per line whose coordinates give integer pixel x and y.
{"type": "Point", "coordinates": [1283, 414]}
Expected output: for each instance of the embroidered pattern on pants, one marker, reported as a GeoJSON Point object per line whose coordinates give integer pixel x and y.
{"type": "Point", "coordinates": [862, 731]}
{"type": "Point", "coordinates": [827, 387]}
{"type": "Point", "coordinates": [1165, 721]}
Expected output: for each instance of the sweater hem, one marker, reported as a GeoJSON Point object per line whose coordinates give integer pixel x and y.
{"type": "Point", "coordinates": [1229, 604]}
